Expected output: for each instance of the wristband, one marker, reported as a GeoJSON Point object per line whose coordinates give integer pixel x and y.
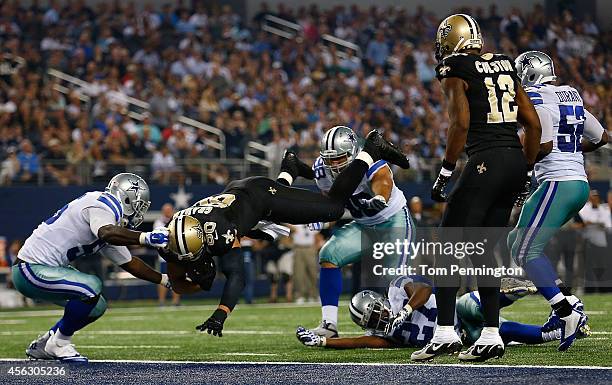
{"type": "Point", "coordinates": [447, 168]}
{"type": "Point", "coordinates": [142, 239]}
{"type": "Point", "coordinates": [408, 309]}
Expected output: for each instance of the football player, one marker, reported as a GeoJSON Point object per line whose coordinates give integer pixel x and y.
{"type": "Point", "coordinates": [214, 225]}
{"type": "Point", "coordinates": [407, 318]}
{"type": "Point", "coordinates": [485, 102]}
{"type": "Point", "coordinates": [569, 130]}
{"type": "Point", "coordinates": [377, 206]}
{"type": "Point", "coordinates": [97, 222]}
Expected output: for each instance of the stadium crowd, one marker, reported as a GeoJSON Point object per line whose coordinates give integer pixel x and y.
{"type": "Point", "coordinates": [209, 64]}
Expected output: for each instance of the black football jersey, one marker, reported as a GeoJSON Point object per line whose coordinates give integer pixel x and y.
{"type": "Point", "coordinates": [492, 82]}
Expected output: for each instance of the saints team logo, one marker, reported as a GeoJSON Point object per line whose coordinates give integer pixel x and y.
{"type": "Point", "coordinates": [445, 31]}
{"type": "Point", "coordinates": [444, 70]}
{"type": "Point", "coordinates": [481, 168]}
{"type": "Point", "coordinates": [229, 237]}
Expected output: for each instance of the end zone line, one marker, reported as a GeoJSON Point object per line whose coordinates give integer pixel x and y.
{"type": "Point", "coordinates": [280, 363]}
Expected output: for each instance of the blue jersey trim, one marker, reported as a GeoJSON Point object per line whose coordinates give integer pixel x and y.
{"type": "Point", "coordinates": [375, 167]}
{"type": "Point", "coordinates": [116, 202]}
{"type": "Point", "coordinates": [111, 206]}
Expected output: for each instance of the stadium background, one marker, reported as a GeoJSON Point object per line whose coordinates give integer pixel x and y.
{"type": "Point", "coordinates": [193, 94]}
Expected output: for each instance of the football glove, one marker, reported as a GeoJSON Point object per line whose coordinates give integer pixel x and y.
{"type": "Point", "coordinates": [437, 191]}
{"type": "Point", "coordinates": [214, 324]}
{"type": "Point", "coordinates": [376, 203]}
{"type": "Point", "coordinates": [165, 281]}
{"type": "Point", "coordinates": [308, 338]}
{"type": "Point", "coordinates": [402, 316]}
{"type": "Point", "coordinates": [316, 226]}
{"type": "Point", "coordinates": [524, 195]}
{"type": "Point", "coordinates": [157, 238]}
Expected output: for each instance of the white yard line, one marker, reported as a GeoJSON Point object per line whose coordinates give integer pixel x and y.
{"type": "Point", "coordinates": [129, 346]}
{"type": "Point", "coordinates": [161, 332]}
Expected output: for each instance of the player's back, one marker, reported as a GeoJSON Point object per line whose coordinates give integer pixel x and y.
{"type": "Point", "coordinates": [564, 106]}
{"type": "Point", "coordinates": [66, 235]}
{"type": "Point", "coordinates": [359, 211]}
{"type": "Point", "coordinates": [492, 82]}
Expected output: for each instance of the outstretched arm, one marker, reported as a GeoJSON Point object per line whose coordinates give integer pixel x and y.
{"type": "Point", "coordinates": [359, 342]}
{"type": "Point", "coordinates": [595, 135]}
{"type": "Point", "coordinates": [178, 279]}
{"type": "Point", "coordinates": [528, 118]}
{"type": "Point", "coordinates": [141, 270]}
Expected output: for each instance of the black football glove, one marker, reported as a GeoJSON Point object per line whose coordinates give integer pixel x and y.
{"type": "Point", "coordinates": [437, 191]}
{"type": "Point", "coordinates": [214, 324]}
{"type": "Point", "coordinates": [524, 195]}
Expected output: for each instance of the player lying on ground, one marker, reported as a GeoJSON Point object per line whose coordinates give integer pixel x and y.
{"type": "Point", "coordinates": [569, 130]}
{"type": "Point", "coordinates": [408, 318]}
{"type": "Point", "coordinates": [377, 206]}
{"type": "Point", "coordinates": [214, 225]}
{"type": "Point", "coordinates": [94, 223]}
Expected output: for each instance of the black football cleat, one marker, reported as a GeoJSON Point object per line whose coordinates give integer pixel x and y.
{"type": "Point", "coordinates": [480, 353]}
{"type": "Point", "coordinates": [379, 148]}
{"type": "Point", "coordinates": [433, 349]}
{"type": "Point", "coordinates": [295, 167]}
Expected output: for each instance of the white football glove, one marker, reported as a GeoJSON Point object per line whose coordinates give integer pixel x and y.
{"type": "Point", "coordinates": [157, 238]}
{"type": "Point", "coordinates": [316, 226]}
{"type": "Point", "coordinates": [308, 338]}
{"type": "Point", "coordinates": [402, 316]}
{"type": "Point", "coordinates": [165, 281]}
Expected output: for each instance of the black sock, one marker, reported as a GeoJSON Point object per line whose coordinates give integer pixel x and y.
{"type": "Point", "coordinates": [283, 181]}
{"type": "Point", "coordinates": [489, 302]}
{"type": "Point", "coordinates": [562, 308]}
{"type": "Point", "coordinates": [345, 184]}
{"type": "Point", "coordinates": [566, 291]}
{"type": "Point", "coordinates": [445, 301]}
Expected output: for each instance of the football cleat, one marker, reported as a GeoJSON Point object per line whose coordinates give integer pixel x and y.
{"type": "Point", "coordinates": [378, 148]}
{"type": "Point", "coordinates": [480, 353]}
{"type": "Point", "coordinates": [62, 352]}
{"type": "Point", "coordinates": [517, 286]}
{"type": "Point", "coordinates": [434, 349]}
{"type": "Point", "coordinates": [584, 332]}
{"type": "Point", "coordinates": [295, 167]}
{"type": "Point", "coordinates": [36, 350]}
{"type": "Point", "coordinates": [570, 328]}
{"type": "Point", "coordinates": [326, 329]}
{"type": "Point", "coordinates": [552, 322]}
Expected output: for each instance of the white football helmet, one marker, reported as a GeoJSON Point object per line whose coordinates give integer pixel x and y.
{"type": "Point", "coordinates": [133, 193]}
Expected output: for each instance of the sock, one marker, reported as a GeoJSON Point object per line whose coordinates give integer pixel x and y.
{"type": "Point", "coordinates": [489, 336]}
{"type": "Point", "coordinates": [489, 303]}
{"type": "Point", "coordinates": [365, 157]}
{"type": "Point", "coordinates": [330, 287]}
{"type": "Point", "coordinates": [347, 181]}
{"type": "Point", "coordinates": [543, 275]}
{"type": "Point", "coordinates": [445, 299]}
{"type": "Point", "coordinates": [564, 289]}
{"type": "Point", "coordinates": [444, 334]}
{"type": "Point", "coordinates": [56, 326]}
{"type": "Point", "coordinates": [572, 299]}
{"type": "Point", "coordinates": [518, 332]}
{"type": "Point", "coordinates": [562, 308]}
{"type": "Point", "coordinates": [285, 178]}
{"type": "Point", "coordinates": [62, 339]}
{"type": "Point", "coordinates": [76, 315]}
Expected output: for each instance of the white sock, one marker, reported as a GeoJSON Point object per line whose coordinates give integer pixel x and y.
{"type": "Point", "coordinates": [489, 335]}
{"type": "Point", "coordinates": [572, 299]}
{"type": "Point", "coordinates": [364, 156]}
{"type": "Point", "coordinates": [62, 339]}
{"type": "Point", "coordinates": [556, 299]}
{"type": "Point", "coordinates": [330, 314]}
{"type": "Point", "coordinates": [445, 334]}
{"type": "Point", "coordinates": [286, 176]}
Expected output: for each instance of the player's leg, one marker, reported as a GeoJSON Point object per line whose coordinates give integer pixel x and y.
{"type": "Point", "coordinates": [553, 204]}
{"type": "Point", "coordinates": [79, 293]}
{"type": "Point", "coordinates": [343, 248]}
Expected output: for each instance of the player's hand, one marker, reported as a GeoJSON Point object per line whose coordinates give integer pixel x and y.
{"type": "Point", "coordinates": [437, 191]}
{"type": "Point", "coordinates": [524, 195]}
{"type": "Point", "coordinates": [308, 338]}
{"type": "Point", "coordinates": [377, 203]}
{"type": "Point", "coordinates": [165, 281]}
{"type": "Point", "coordinates": [157, 238]}
{"type": "Point", "coordinates": [214, 325]}
{"type": "Point", "coordinates": [316, 226]}
{"type": "Point", "coordinates": [402, 316]}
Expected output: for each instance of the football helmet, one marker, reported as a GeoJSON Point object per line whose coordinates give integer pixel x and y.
{"type": "Point", "coordinates": [371, 310]}
{"type": "Point", "coordinates": [534, 67]}
{"type": "Point", "coordinates": [185, 237]}
{"type": "Point", "coordinates": [339, 146]}
{"type": "Point", "coordinates": [457, 33]}
{"type": "Point", "coordinates": [133, 193]}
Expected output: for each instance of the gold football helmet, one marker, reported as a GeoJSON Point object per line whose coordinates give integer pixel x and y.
{"type": "Point", "coordinates": [186, 237]}
{"type": "Point", "coordinates": [456, 33]}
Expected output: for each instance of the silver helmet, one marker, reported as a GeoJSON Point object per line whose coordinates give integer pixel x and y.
{"type": "Point", "coordinates": [339, 146]}
{"type": "Point", "coordinates": [534, 67]}
{"type": "Point", "coordinates": [133, 193]}
{"type": "Point", "coordinates": [371, 310]}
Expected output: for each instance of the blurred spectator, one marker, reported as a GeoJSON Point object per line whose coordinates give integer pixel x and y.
{"type": "Point", "coordinates": [29, 165]}
{"type": "Point", "coordinates": [597, 221]}
{"type": "Point", "coordinates": [305, 263]}
{"type": "Point", "coordinates": [278, 260]}
{"type": "Point", "coordinates": [163, 166]}
{"type": "Point", "coordinates": [10, 167]}
{"type": "Point", "coordinates": [167, 211]}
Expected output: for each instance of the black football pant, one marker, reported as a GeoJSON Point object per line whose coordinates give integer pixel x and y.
{"type": "Point", "coordinates": [277, 202]}
{"type": "Point", "coordinates": [480, 204]}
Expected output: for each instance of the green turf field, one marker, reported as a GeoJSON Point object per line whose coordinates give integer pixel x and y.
{"type": "Point", "coordinates": [140, 331]}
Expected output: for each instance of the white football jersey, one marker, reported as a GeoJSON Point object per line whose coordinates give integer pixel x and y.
{"type": "Point", "coordinates": [71, 232]}
{"type": "Point", "coordinates": [564, 121]}
{"type": "Point", "coordinates": [362, 214]}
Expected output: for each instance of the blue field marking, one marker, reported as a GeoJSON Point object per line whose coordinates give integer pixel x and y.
{"type": "Point", "coordinates": [173, 372]}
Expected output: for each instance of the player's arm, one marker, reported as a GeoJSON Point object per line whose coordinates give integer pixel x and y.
{"type": "Point", "coordinates": [382, 183]}
{"type": "Point", "coordinates": [372, 342]}
{"type": "Point", "coordinates": [418, 294]}
{"type": "Point", "coordinates": [139, 269]}
{"type": "Point", "coordinates": [120, 236]}
{"type": "Point", "coordinates": [528, 118]}
{"type": "Point", "coordinates": [178, 279]}
{"type": "Point", "coordinates": [595, 135]}
{"type": "Point", "coordinates": [546, 140]}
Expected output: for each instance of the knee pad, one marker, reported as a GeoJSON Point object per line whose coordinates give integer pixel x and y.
{"type": "Point", "coordinates": [99, 309]}
{"type": "Point", "coordinates": [327, 252]}
{"type": "Point", "coordinates": [94, 283]}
